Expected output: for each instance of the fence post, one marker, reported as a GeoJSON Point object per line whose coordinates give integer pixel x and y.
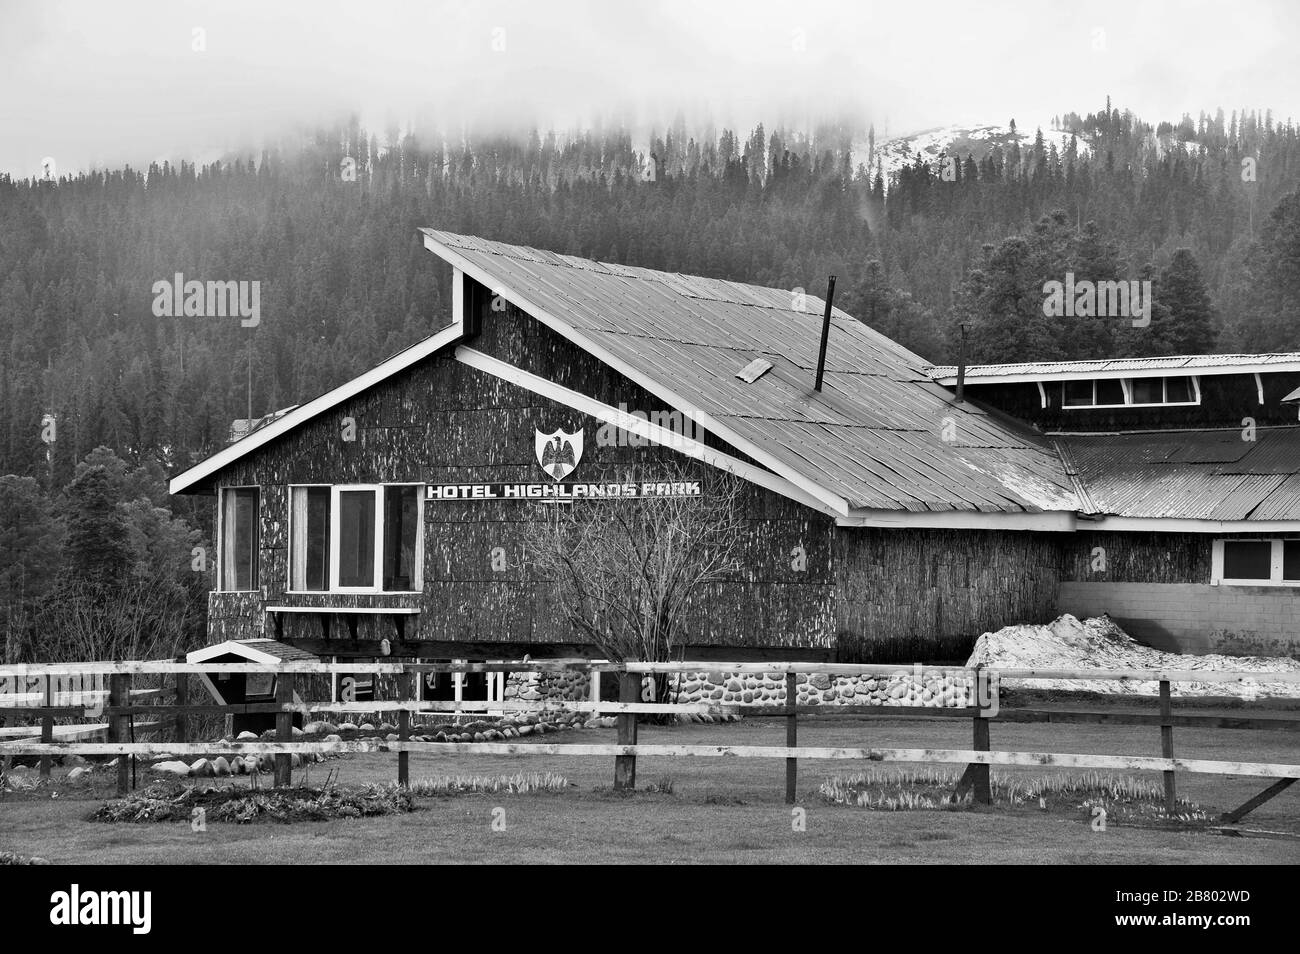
{"type": "Point", "coordinates": [283, 728]}
{"type": "Point", "coordinates": [182, 700]}
{"type": "Point", "coordinates": [629, 690]}
{"type": "Point", "coordinates": [791, 736]}
{"type": "Point", "coordinates": [119, 695]}
{"type": "Point", "coordinates": [404, 694]}
{"type": "Point", "coordinates": [47, 728]}
{"type": "Point", "coordinates": [980, 772]}
{"type": "Point", "coordinates": [1167, 744]}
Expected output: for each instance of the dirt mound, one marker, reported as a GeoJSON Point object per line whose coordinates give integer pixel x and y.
{"type": "Point", "coordinates": [1097, 643]}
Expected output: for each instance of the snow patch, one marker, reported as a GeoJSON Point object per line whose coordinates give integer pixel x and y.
{"type": "Point", "coordinates": [959, 140]}
{"type": "Point", "coordinates": [1097, 643]}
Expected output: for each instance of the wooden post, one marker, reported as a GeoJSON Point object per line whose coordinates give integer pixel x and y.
{"type": "Point", "coordinates": [119, 695]}
{"type": "Point", "coordinates": [791, 736]}
{"type": "Point", "coordinates": [1167, 745]}
{"type": "Point", "coordinates": [404, 694]}
{"type": "Point", "coordinates": [182, 700]}
{"type": "Point", "coordinates": [980, 772]}
{"type": "Point", "coordinates": [283, 729]}
{"type": "Point", "coordinates": [629, 690]}
{"type": "Point", "coordinates": [47, 728]}
{"type": "Point", "coordinates": [1236, 815]}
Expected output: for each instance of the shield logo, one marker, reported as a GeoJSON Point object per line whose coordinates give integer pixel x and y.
{"type": "Point", "coordinates": [558, 452]}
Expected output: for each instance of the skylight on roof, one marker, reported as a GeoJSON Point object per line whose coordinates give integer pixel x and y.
{"type": "Point", "coordinates": [754, 370]}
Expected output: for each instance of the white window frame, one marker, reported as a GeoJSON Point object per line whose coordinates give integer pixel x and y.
{"type": "Point", "coordinates": [1127, 385]}
{"type": "Point", "coordinates": [221, 538]}
{"type": "Point", "coordinates": [496, 683]}
{"type": "Point", "coordinates": [288, 581]}
{"type": "Point", "coordinates": [336, 527]}
{"type": "Point", "coordinates": [1275, 564]}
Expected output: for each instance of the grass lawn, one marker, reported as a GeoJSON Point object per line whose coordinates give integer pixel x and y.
{"type": "Point", "coordinates": [720, 810]}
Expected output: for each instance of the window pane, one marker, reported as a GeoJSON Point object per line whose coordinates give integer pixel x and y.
{"type": "Point", "coordinates": [1076, 393]}
{"type": "Point", "coordinates": [1291, 559]}
{"type": "Point", "coordinates": [401, 525]}
{"type": "Point", "coordinates": [239, 539]}
{"type": "Point", "coordinates": [316, 558]}
{"type": "Point", "coordinates": [1247, 559]}
{"type": "Point", "coordinates": [309, 554]}
{"type": "Point", "coordinates": [1179, 389]}
{"type": "Point", "coordinates": [1148, 390]}
{"type": "Point", "coordinates": [356, 538]}
{"type": "Point", "coordinates": [439, 686]}
{"type": "Point", "coordinates": [1110, 391]}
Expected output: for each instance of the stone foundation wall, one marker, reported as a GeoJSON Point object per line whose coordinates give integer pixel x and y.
{"type": "Point", "coordinates": [906, 687]}
{"type": "Point", "coordinates": [536, 686]}
{"type": "Point", "coordinates": [933, 690]}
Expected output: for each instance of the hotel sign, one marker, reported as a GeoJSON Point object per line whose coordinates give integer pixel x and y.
{"type": "Point", "coordinates": [558, 454]}
{"type": "Point", "coordinates": [564, 491]}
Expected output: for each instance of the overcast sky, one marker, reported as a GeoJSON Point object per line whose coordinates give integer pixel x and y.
{"type": "Point", "coordinates": [104, 82]}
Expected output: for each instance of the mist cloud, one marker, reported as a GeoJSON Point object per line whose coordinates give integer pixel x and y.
{"type": "Point", "coordinates": [95, 83]}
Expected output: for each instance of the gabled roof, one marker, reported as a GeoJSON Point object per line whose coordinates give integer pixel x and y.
{"type": "Point", "coordinates": [318, 405]}
{"type": "Point", "coordinates": [1177, 366]}
{"type": "Point", "coordinates": [883, 444]}
{"type": "Point", "coordinates": [269, 651]}
{"type": "Point", "coordinates": [881, 436]}
{"type": "Point", "coordinates": [874, 438]}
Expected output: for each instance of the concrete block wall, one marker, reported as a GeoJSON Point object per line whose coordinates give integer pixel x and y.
{"type": "Point", "coordinates": [1195, 617]}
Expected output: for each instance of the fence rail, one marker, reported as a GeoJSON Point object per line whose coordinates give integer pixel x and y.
{"type": "Point", "coordinates": [125, 702]}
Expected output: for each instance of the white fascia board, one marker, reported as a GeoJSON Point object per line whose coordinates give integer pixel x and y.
{"type": "Point", "coordinates": [231, 647]}
{"type": "Point", "coordinates": [331, 610]}
{"type": "Point", "coordinates": [636, 425]}
{"type": "Point", "coordinates": [834, 502]}
{"type": "Point", "coordinates": [1190, 525]}
{"type": "Point", "coordinates": [398, 362]}
{"type": "Point", "coordinates": [1057, 521]}
{"type": "Point", "coordinates": [1026, 377]}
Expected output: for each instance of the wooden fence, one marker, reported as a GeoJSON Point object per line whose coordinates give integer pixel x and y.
{"type": "Point", "coordinates": [170, 708]}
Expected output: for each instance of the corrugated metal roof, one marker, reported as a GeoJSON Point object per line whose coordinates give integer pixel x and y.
{"type": "Point", "coordinates": [874, 435]}
{"type": "Point", "coordinates": [1187, 364]}
{"type": "Point", "coordinates": [1206, 475]}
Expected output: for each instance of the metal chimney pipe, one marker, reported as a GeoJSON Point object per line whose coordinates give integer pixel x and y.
{"type": "Point", "coordinates": [961, 367]}
{"type": "Point", "coordinates": [826, 332]}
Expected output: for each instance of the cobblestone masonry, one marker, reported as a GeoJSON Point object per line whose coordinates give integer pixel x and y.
{"type": "Point", "coordinates": [933, 690]}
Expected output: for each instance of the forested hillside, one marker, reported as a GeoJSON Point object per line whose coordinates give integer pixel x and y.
{"type": "Point", "coordinates": [1206, 208]}
{"type": "Point", "coordinates": [344, 281]}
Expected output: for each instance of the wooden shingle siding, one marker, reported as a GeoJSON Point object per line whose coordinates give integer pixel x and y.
{"type": "Point", "coordinates": [1138, 557]}
{"type": "Point", "coordinates": [443, 422]}
{"type": "Point", "coordinates": [923, 586]}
